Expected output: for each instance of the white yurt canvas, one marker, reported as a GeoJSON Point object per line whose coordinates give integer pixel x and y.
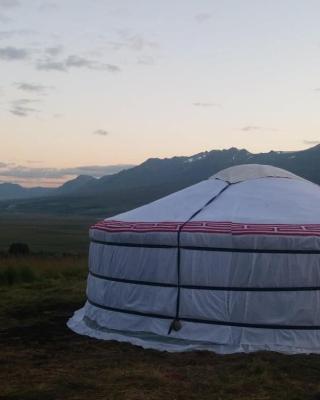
{"type": "Point", "coordinates": [231, 264]}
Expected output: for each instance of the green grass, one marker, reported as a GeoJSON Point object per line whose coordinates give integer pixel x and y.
{"type": "Point", "coordinates": [46, 233]}
{"type": "Point", "coordinates": [41, 359]}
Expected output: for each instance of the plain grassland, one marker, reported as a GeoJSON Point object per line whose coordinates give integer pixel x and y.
{"type": "Point", "coordinates": [41, 359]}
{"type": "Point", "coordinates": [46, 233]}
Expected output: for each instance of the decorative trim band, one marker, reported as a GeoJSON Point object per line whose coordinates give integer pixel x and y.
{"type": "Point", "coordinates": [228, 228]}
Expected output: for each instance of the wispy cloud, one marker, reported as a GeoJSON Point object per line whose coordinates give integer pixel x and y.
{"type": "Point", "coordinates": [4, 19]}
{"type": "Point", "coordinates": [134, 42]}
{"type": "Point", "coordinates": [202, 17]}
{"type": "Point", "coordinates": [251, 128]}
{"type": "Point", "coordinates": [145, 60]}
{"type": "Point", "coordinates": [6, 6]}
{"type": "Point", "coordinates": [20, 171]}
{"type": "Point", "coordinates": [32, 87]}
{"type": "Point", "coordinates": [74, 61]}
{"type": "Point", "coordinates": [204, 104]}
{"type": "Point", "coordinates": [48, 7]}
{"type": "Point", "coordinates": [9, 3]}
{"type": "Point", "coordinates": [23, 107]}
{"type": "Point", "coordinates": [34, 162]}
{"type": "Point", "coordinates": [101, 132]}
{"type": "Point", "coordinates": [82, 62]}
{"type": "Point", "coordinates": [49, 59]}
{"type": "Point", "coordinates": [13, 53]}
{"type": "Point", "coordinates": [255, 128]}
{"type": "Point", "coordinates": [54, 50]}
{"type": "Point", "coordinates": [51, 65]}
{"type": "Point", "coordinates": [16, 32]}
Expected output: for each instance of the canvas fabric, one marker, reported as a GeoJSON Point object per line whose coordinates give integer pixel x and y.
{"type": "Point", "coordinates": [242, 259]}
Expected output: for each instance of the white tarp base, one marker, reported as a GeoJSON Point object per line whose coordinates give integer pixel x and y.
{"type": "Point", "coordinates": [80, 324]}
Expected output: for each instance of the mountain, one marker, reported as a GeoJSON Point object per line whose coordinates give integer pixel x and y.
{"type": "Point", "coordinates": [74, 185]}
{"type": "Point", "coordinates": [14, 191]}
{"type": "Point", "coordinates": [155, 178]}
{"type": "Point", "coordinates": [11, 191]}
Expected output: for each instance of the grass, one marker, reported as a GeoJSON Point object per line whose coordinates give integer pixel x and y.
{"type": "Point", "coordinates": [45, 233]}
{"type": "Point", "coordinates": [41, 359]}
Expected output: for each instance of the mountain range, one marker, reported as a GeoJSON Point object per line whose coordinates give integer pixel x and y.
{"type": "Point", "coordinates": [13, 191]}
{"type": "Point", "coordinates": [148, 181]}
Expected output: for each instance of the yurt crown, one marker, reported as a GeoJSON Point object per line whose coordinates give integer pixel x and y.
{"type": "Point", "coordinates": [245, 172]}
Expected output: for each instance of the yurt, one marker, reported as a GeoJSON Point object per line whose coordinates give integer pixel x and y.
{"type": "Point", "coordinates": [230, 264]}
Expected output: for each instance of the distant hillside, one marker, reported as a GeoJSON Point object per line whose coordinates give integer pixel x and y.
{"type": "Point", "coordinates": [158, 177]}
{"type": "Point", "coordinates": [74, 185]}
{"type": "Point", "coordinates": [14, 191]}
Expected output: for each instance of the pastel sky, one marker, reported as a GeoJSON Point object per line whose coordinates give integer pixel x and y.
{"type": "Point", "coordinates": [85, 84]}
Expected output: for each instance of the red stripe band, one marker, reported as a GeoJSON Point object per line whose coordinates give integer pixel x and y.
{"type": "Point", "coordinates": [231, 228]}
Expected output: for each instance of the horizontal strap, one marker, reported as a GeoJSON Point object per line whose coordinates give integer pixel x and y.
{"type": "Point", "coordinates": [132, 281]}
{"type": "Point", "coordinates": [144, 246]}
{"type": "Point", "coordinates": [123, 311]}
{"type": "Point", "coordinates": [213, 288]}
{"type": "Point", "coordinates": [206, 321]}
{"type": "Point", "coordinates": [203, 248]}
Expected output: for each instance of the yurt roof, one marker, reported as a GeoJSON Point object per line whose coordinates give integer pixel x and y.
{"type": "Point", "coordinates": [246, 172]}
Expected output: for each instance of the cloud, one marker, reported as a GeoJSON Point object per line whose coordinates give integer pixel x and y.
{"type": "Point", "coordinates": [17, 32]}
{"type": "Point", "coordinates": [48, 7]}
{"type": "Point", "coordinates": [22, 108]}
{"type": "Point", "coordinates": [251, 128]}
{"type": "Point", "coordinates": [203, 104]}
{"type": "Point", "coordinates": [145, 60]}
{"type": "Point", "coordinates": [202, 17]}
{"type": "Point", "coordinates": [3, 165]}
{"type": "Point", "coordinates": [74, 61]}
{"type": "Point", "coordinates": [311, 142]}
{"type": "Point", "coordinates": [254, 128]}
{"type": "Point", "coordinates": [82, 62]}
{"type": "Point", "coordinates": [31, 87]}
{"type": "Point", "coordinates": [6, 5]}
{"type": "Point", "coordinates": [97, 171]}
{"type": "Point", "coordinates": [13, 53]}
{"type": "Point", "coordinates": [101, 132]}
{"type": "Point", "coordinates": [9, 3]}
{"type": "Point", "coordinates": [54, 51]}
{"type": "Point", "coordinates": [317, 89]}
{"type": "Point", "coordinates": [131, 41]}
{"type": "Point", "coordinates": [34, 161]}
{"type": "Point", "coordinates": [51, 65]}
{"type": "Point", "coordinates": [4, 19]}
{"type": "Point", "coordinates": [79, 62]}
{"type": "Point", "coordinates": [110, 67]}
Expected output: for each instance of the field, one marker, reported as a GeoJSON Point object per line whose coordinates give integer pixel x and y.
{"type": "Point", "coordinates": [41, 359]}
{"type": "Point", "coordinates": [45, 233]}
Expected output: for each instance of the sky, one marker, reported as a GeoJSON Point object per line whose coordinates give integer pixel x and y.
{"type": "Point", "coordinates": [93, 86]}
